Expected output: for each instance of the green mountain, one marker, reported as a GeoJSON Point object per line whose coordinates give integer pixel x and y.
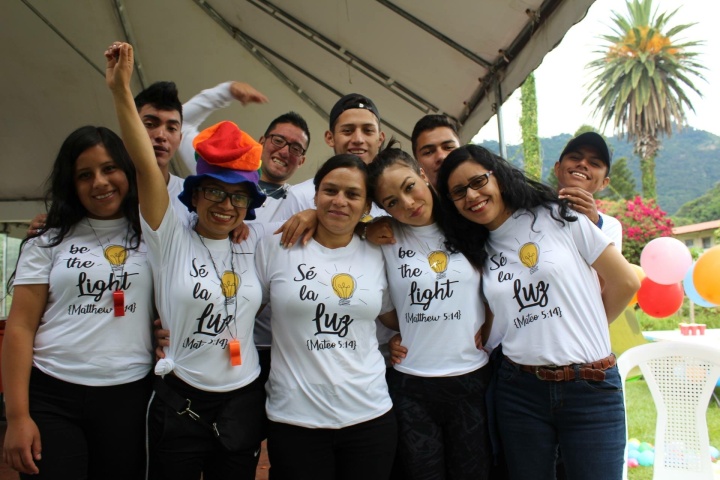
{"type": "Point", "coordinates": [687, 166]}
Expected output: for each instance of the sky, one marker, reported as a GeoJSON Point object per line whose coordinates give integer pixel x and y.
{"type": "Point", "coordinates": [561, 80]}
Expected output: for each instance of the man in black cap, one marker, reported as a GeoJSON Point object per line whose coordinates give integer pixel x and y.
{"type": "Point", "coordinates": [583, 170]}
{"type": "Point", "coordinates": [354, 128]}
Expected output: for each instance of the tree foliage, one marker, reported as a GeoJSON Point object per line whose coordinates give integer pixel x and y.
{"type": "Point", "coordinates": [703, 209]}
{"type": "Point", "coordinates": [622, 183]}
{"type": "Point", "coordinates": [642, 221]}
{"type": "Point", "coordinates": [641, 76]}
{"type": "Point", "coordinates": [529, 127]}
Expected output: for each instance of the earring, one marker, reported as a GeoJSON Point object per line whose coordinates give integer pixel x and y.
{"type": "Point", "coordinates": [427, 183]}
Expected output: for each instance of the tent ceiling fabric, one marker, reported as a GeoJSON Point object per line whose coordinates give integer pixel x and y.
{"type": "Point", "coordinates": [412, 57]}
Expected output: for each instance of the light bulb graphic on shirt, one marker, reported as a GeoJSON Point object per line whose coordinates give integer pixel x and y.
{"type": "Point", "coordinates": [116, 255]}
{"type": "Point", "coordinates": [529, 255]}
{"type": "Point", "coordinates": [230, 282]}
{"type": "Point", "coordinates": [438, 261]}
{"type": "Point", "coordinates": [343, 284]}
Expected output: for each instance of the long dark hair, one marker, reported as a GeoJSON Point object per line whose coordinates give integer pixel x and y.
{"type": "Point", "coordinates": [517, 192]}
{"type": "Point", "coordinates": [64, 207]}
{"type": "Point", "coordinates": [61, 200]}
{"type": "Point", "coordinates": [392, 155]}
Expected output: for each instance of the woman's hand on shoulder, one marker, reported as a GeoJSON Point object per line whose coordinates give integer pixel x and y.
{"type": "Point", "coordinates": [379, 231]}
{"type": "Point", "coordinates": [300, 226]}
{"type": "Point", "coordinates": [22, 445]}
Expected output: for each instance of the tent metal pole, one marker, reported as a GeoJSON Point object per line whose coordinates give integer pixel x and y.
{"type": "Point", "coordinates": [499, 117]}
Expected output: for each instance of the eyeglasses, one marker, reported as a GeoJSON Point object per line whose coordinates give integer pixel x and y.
{"type": "Point", "coordinates": [279, 141]}
{"type": "Point", "coordinates": [476, 183]}
{"type": "Point", "coordinates": [216, 195]}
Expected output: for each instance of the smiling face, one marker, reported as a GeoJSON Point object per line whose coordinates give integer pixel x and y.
{"type": "Point", "coordinates": [217, 220]}
{"type": "Point", "coordinates": [484, 206]}
{"type": "Point", "coordinates": [405, 195]}
{"type": "Point", "coordinates": [582, 168]}
{"type": "Point", "coordinates": [100, 184]}
{"type": "Point", "coordinates": [432, 148]}
{"type": "Point", "coordinates": [341, 201]}
{"type": "Point", "coordinates": [278, 164]}
{"type": "Point", "coordinates": [164, 129]}
{"type": "Point", "coordinates": [356, 131]}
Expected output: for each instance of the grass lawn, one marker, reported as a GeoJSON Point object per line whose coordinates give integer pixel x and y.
{"type": "Point", "coordinates": [641, 422]}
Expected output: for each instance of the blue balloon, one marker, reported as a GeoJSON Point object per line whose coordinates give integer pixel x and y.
{"type": "Point", "coordinates": [646, 458]}
{"type": "Point", "coordinates": [691, 292]}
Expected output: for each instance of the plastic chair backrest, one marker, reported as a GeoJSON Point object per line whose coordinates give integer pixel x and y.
{"type": "Point", "coordinates": [681, 377]}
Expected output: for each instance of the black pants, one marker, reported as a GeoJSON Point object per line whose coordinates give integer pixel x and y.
{"type": "Point", "coordinates": [442, 425]}
{"type": "Point", "coordinates": [95, 433]}
{"type": "Point", "coordinates": [359, 452]}
{"type": "Point", "coordinates": [183, 449]}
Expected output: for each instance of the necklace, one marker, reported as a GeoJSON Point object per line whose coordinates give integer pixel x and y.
{"type": "Point", "coordinates": [270, 193]}
{"type": "Point", "coordinates": [229, 281]}
{"type": "Point", "coordinates": [116, 255]}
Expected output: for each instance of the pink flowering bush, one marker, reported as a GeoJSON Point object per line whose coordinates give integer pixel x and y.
{"type": "Point", "coordinates": [642, 221]}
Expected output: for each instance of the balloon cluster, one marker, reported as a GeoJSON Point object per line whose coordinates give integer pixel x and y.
{"type": "Point", "coordinates": [666, 271]}
{"type": "Point", "coordinates": [642, 454]}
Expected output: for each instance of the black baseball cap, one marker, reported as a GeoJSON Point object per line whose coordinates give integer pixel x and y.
{"type": "Point", "coordinates": [350, 101]}
{"type": "Point", "coordinates": [592, 139]}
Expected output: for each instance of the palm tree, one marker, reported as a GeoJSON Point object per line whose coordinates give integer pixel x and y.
{"type": "Point", "coordinates": [640, 82]}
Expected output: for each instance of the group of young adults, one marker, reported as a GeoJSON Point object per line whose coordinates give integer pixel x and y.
{"type": "Point", "coordinates": [267, 336]}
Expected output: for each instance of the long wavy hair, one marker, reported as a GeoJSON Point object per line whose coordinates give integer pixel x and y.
{"type": "Point", "coordinates": [64, 207]}
{"type": "Point", "coordinates": [517, 192]}
{"type": "Point", "coordinates": [391, 155]}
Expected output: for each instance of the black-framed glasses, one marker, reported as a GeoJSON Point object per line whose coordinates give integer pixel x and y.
{"type": "Point", "coordinates": [279, 141]}
{"type": "Point", "coordinates": [458, 193]}
{"type": "Point", "coordinates": [239, 200]}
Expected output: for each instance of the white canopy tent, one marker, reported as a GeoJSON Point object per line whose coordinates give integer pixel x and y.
{"type": "Point", "coordinates": [412, 57]}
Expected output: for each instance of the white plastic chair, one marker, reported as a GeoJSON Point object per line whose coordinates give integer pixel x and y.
{"type": "Point", "coordinates": [681, 377]}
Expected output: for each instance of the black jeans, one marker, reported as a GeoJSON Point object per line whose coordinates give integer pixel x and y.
{"type": "Point", "coordinates": [183, 449]}
{"type": "Point", "coordinates": [442, 425]}
{"type": "Point", "coordinates": [89, 432]}
{"type": "Point", "coordinates": [359, 452]}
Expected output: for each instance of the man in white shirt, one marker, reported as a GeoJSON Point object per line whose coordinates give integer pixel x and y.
{"type": "Point", "coordinates": [582, 171]}
{"type": "Point", "coordinates": [432, 139]}
{"type": "Point", "coordinates": [285, 141]}
{"type": "Point", "coordinates": [354, 128]}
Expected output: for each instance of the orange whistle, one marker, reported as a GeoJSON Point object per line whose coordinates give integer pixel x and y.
{"type": "Point", "coordinates": [235, 358]}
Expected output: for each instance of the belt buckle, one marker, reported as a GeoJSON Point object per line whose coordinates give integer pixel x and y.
{"type": "Point", "coordinates": [544, 367]}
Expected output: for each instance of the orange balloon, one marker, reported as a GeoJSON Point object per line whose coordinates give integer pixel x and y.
{"type": "Point", "coordinates": [706, 276]}
{"type": "Point", "coordinates": [640, 275]}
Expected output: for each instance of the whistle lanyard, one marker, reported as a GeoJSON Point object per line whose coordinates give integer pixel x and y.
{"type": "Point", "coordinates": [116, 256]}
{"type": "Point", "coordinates": [234, 344]}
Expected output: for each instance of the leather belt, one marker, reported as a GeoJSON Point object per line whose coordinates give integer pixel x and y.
{"type": "Point", "coordinates": [564, 373]}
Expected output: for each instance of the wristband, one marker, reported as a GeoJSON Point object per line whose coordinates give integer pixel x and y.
{"type": "Point", "coordinates": [599, 223]}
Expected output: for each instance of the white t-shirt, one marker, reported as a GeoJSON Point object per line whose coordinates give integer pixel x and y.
{"type": "Point", "coordinates": [202, 314]}
{"type": "Point", "coordinates": [326, 370]}
{"type": "Point", "coordinates": [613, 229]}
{"type": "Point", "coordinates": [545, 295]}
{"type": "Point", "coordinates": [175, 187]}
{"type": "Point", "coordinates": [79, 339]}
{"type": "Point", "coordinates": [437, 296]}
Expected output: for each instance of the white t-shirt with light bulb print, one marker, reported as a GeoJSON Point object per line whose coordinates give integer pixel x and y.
{"type": "Point", "coordinates": [327, 371]}
{"type": "Point", "coordinates": [79, 339]}
{"type": "Point", "coordinates": [207, 294]}
{"type": "Point", "coordinates": [545, 295]}
{"type": "Point", "coordinates": [438, 300]}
